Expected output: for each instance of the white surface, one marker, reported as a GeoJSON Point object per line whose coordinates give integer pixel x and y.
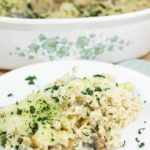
{"type": "Point", "coordinates": [133, 27]}
{"type": "Point", "coordinates": [14, 82]}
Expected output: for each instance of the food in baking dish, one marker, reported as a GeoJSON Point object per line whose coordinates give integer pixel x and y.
{"type": "Point", "coordinates": [69, 8]}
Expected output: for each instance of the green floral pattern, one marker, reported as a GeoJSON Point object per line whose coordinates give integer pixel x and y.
{"type": "Point", "coordinates": [84, 47]}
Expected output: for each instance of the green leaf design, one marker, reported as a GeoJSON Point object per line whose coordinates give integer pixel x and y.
{"type": "Point", "coordinates": [111, 47]}
{"type": "Point", "coordinates": [42, 37]}
{"type": "Point", "coordinates": [99, 48]}
{"type": "Point", "coordinates": [88, 46]}
{"type": "Point", "coordinates": [122, 41]}
{"type": "Point", "coordinates": [50, 45]}
{"type": "Point", "coordinates": [63, 51]}
{"type": "Point", "coordinates": [92, 35]}
{"type": "Point", "coordinates": [114, 38]}
{"type": "Point", "coordinates": [64, 41]}
{"type": "Point", "coordinates": [31, 57]}
{"type": "Point", "coordinates": [21, 54]}
{"type": "Point", "coordinates": [87, 54]}
{"type": "Point", "coordinates": [34, 47]}
{"type": "Point", "coordinates": [82, 41]}
{"type": "Point", "coordinates": [51, 58]}
{"type": "Point", "coordinates": [18, 48]}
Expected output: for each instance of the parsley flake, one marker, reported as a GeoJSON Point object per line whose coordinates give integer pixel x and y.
{"type": "Point", "coordinates": [55, 88]}
{"type": "Point", "coordinates": [32, 109]}
{"type": "Point", "coordinates": [137, 140]}
{"type": "Point", "coordinates": [86, 134]}
{"type": "Point", "coordinates": [19, 111]}
{"type": "Point", "coordinates": [124, 144]}
{"type": "Point", "coordinates": [31, 80]}
{"type": "Point", "coordinates": [141, 130]}
{"type": "Point", "coordinates": [10, 95]}
{"type": "Point", "coordinates": [141, 145]}
{"type": "Point", "coordinates": [98, 89]}
{"type": "Point", "coordinates": [99, 76]}
{"type": "Point", "coordinates": [3, 138]}
{"type": "Point", "coordinates": [17, 147]}
{"type": "Point", "coordinates": [88, 91]}
{"type": "Point", "coordinates": [56, 99]}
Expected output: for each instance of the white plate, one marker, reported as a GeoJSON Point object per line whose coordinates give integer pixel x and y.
{"type": "Point", "coordinates": [14, 82]}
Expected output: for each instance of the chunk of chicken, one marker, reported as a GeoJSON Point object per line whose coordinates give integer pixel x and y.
{"type": "Point", "coordinates": [98, 143]}
{"type": "Point", "coordinates": [56, 147]}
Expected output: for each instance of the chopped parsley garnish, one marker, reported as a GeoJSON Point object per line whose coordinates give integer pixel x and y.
{"type": "Point", "coordinates": [109, 128]}
{"type": "Point", "coordinates": [142, 144]}
{"type": "Point", "coordinates": [96, 127]}
{"type": "Point", "coordinates": [55, 88]}
{"type": "Point", "coordinates": [106, 89]}
{"type": "Point", "coordinates": [29, 5]}
{"type": "Point", "coordinates": [124, 144]}
{"type": "Point", "coordinates": [88, 91]}
{"type": "Point", "coordinates": [11, 113]}
{"type": "Point", "coordinates": [56, 99]}
{"type": "Point", "coordinates": [3, 138]}
{"type": "Point", "coordinates": [93, 10]}
{"type": "Point", "coordinates": [52, 139]}
{"type": "Point", "coordinates": [20, 140]}
{"type": "Point", "coordinates": [98, 89]}
{"type": "Point", "coordinates": [137, 140]}
{"type": "Point", "coordinates": [99, 75]}
{"type": "Point", "coordinates": [98, 100]}
{"type": "Point", "coordinates": [10, 95]}
{"type": "Point", "coordinates": [117, 84]}
{"type": "Point", "coordinates": [31, 80]}
{"type": "Point", "coordinates": [2, 133]}
{"type": "Point", "coordinates": [47, 88]}
{"type": "Point", "coordinates": [17, 147]}
{"type": "Point", "coordinates": [19, 111]}
{"type": "Point", "coordinates": [69, 105]}
{"type": "Point", "coordinates": [32, 109]}
{"type": "Point", "coordinates": [33, 127]}
{"type": "Point", "coordinates": [76, 145]}
{"type": "Point", "coordinates": [86, 134]}
{"type": "Point", "coordinates": [141, 130]}
{"type": "Point", "coordinates": [42, 119]}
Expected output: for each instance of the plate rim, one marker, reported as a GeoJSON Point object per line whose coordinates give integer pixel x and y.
{"type": "Point", "coordinates": [116, 66]}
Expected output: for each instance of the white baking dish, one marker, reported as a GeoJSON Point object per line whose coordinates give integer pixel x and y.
{"type": "Point", "coordinates": [109, 38]}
